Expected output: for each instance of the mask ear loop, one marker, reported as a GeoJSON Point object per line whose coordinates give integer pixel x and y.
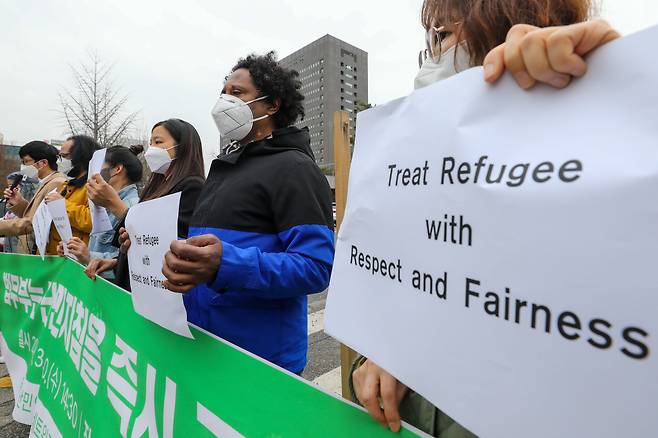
{"type": "Point", "coordinates": [260, 118]}
{"type": "Point", "coordinates": [256, 99]}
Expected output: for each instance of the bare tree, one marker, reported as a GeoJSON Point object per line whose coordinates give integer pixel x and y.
{"type": "Point", "coordinates": [93, 106]}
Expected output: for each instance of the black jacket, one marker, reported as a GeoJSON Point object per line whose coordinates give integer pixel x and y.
{"type": "Point", "coordinates": [270, 205]}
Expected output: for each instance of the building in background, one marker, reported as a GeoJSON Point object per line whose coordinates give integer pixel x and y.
{"type": "Point", "coordinates": [334, 76]}
{"type": "Point", "coordinates": [9, 162]}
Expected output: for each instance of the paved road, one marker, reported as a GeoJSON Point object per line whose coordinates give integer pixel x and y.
{"type": "Point", "coordinates": [323, 351]}
{"type": "Point", "coordinates": [8, 427]}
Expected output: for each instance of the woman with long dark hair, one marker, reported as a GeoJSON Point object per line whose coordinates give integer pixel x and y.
{"type": "Point", "coordinates": [176, 161]}
{"type": "Point", "coordinates": [75, 155]}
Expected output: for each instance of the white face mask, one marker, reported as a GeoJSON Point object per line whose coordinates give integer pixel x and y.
{"type": "Point", "coordinates": [431, 72]}
{"type": "Point", "coordinates": [64, 166]}
{"type": "Point", "coordinates": [29, 171]}
{"type": "Point", "coordinates": [158, 160]}
{"type": "Point", "coordinates": [234, 117]}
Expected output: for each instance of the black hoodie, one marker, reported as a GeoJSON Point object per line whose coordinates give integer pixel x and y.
{"type": "Point", "coordinates": [270, 205]}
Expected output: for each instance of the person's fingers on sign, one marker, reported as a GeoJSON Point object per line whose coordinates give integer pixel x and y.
{"type": "Point", "coordinates": [191, 262]}
{"type": "Point", "coordinates": [98, 266]}
{"type": "Point", "coordinates": [54, 196]}
{"type": "Point", "coordinates": [79, 249]}
{"type": "Point", "coordinates": [552, 55]}
{"type": "Point", "coordinates": [380, 393]}
{"type": "Point", "coordinates": [124, 240]}
{"type": "Point", "coordinates": [100, 192]}
{"type": "Point", "coordinates": [60, 248]}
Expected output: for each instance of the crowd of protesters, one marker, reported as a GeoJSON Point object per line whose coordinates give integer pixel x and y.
{"type": "Point", "coordinates": [256, 235]}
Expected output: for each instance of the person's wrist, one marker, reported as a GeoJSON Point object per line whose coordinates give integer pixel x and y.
{"type": "Point", "coordinates": [118, 207]}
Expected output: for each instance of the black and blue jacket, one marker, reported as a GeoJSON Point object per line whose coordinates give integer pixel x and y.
{"type": "Point", "coordinates": [270, 206]}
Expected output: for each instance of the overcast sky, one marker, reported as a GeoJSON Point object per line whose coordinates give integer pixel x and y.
{"type": "Point", "coordinates": [171, 56]}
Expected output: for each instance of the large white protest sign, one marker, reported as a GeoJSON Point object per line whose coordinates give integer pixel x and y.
{"type": "Point", "coordinates": [100, 221]}
{"type": "Point", "coordinates": [41, 222]}
{"type": "Point", "coordinates": [498, 249]}
{"type": "Point", "coordinates": [152, 226]}
{"type": "Point", "coordinates": [60, 218]}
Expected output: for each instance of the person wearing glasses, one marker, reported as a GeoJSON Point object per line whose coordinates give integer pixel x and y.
{"type": "Point", "coordinates": [39, 160]}
{"type": "Point", "coordinates": [75, 155]}
{"type": "Point", "coordinates": [537, 41]}
{"type": "Point", "coordinates": [115, 189]}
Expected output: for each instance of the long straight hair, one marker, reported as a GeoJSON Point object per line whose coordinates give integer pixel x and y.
{"type": "Point", "coordinates": [81, 152]}
{"type": "Point", "coordinates": [484, 24]}
{"type": "Point", "coordinates": [188, 161]}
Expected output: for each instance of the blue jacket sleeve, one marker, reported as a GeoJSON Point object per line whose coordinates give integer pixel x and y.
{"type": "Point", "coordinates": [302, 212]}
{"type": "Point", "coordinates": [303, 268]}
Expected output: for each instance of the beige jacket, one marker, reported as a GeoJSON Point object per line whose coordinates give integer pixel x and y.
{"type": "Point", "coordinates": [22, 226]}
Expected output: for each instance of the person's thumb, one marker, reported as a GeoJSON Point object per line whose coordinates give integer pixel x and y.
{"type": "Point", "coordinates": [204, 240]}
{"type": "Point", "coordinates": [494, 64]}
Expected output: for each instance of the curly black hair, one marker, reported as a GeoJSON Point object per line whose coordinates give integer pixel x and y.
{"type": "Point", "coordinates": [277, 82]}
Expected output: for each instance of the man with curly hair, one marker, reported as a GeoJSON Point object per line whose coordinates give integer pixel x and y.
{"type": "Point", "coordinates": [261, 237]}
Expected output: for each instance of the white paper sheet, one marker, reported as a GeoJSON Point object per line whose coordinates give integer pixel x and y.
{"type": "Point", "coordinates": [60, 218]}
{"type": "Point", "coordinates": [41, 222]}
{"type": "Point", "coordinates": [96, 162]}
{"type": "Point", "coordinates": [152, 226]}
{"type": "Point", "coordinates": [525, 307]}
{"type": "Point", "coordinates": [100, 221]}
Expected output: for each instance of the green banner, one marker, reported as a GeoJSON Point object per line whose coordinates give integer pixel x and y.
{"type": "Point", "coordinates": [92, 367]}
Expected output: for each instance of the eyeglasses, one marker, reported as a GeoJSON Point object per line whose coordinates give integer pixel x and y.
{"type": "Point", "coordinates": [434, 43]}
{"type": "Point", "coordinates": [433, 40]}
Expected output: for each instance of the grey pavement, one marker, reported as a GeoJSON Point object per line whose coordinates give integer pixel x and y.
{"type": "Point", "coordinates": [323, 350]}
{"type": "Point", "coordinates": [8, 427]}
